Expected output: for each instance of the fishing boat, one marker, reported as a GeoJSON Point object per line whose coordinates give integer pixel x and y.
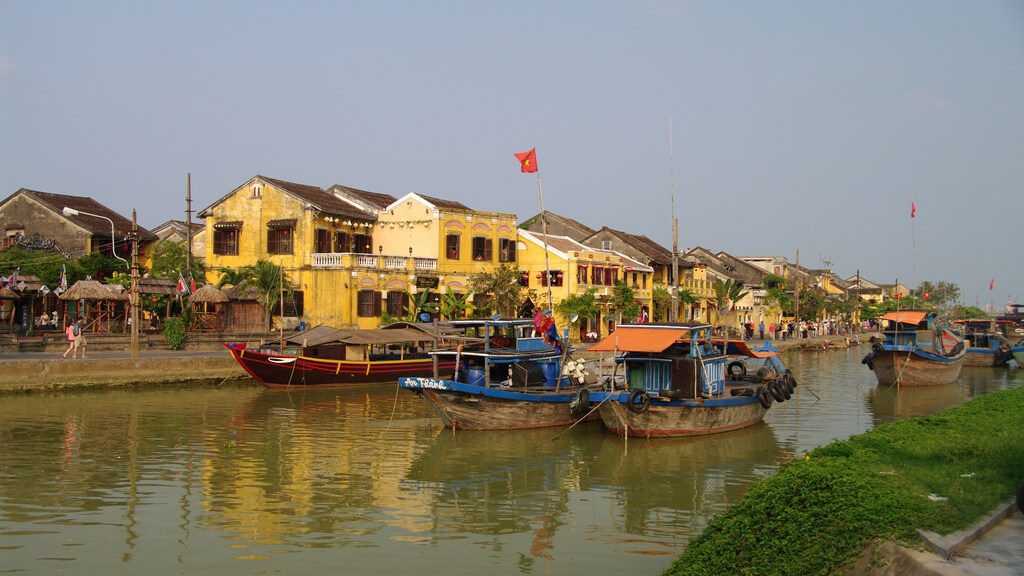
{"type": "Point", "coordinates": [678, 382]}
{"type": "Point", "coordinates": [508, 374]}
{"type": "Point", "coordinates": [985, 346]}
{"type": "Point", "coordinates": [326, 356]}
{"type": "Point", "coordinates": [916, 351]}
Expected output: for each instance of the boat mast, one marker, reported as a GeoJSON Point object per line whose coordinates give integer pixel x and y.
{"type": "Point", "coordinates": [674, 314]}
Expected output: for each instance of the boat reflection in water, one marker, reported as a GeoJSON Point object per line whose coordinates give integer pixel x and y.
{"type": "Point", "coordinates": [895, 403]}
{"type": "Point", "coordinates": [535, 481]}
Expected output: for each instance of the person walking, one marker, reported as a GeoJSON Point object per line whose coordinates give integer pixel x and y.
{"type": "Point", "coordinates": [760, 329]}
{"type": "Point", "coordinates": [80, 341]}
{"type": "Point", "coordinates": [70, 331]}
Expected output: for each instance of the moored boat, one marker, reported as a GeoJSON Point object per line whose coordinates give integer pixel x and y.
{"type": "Point", "coordinates": [985, 346]}
{"type": "Point", "coordinates": [677, 382]}
{"type": "Point", "coordinates": [325, 356]}
{"type": "Point", "coordinates": [916, 351]}
{"type": "Point", "coordinates": [506, 377]}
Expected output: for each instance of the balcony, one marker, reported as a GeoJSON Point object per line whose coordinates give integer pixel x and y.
{"type": "Point", "coordinates": [373, 261]}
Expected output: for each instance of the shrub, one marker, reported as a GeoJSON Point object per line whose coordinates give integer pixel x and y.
{"type": "Point", "coordinates": [174, 331]}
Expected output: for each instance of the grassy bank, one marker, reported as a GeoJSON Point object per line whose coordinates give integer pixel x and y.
{"type": "Point", "coordinates": [819, 513]}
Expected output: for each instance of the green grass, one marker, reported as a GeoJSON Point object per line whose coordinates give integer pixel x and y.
{"type": "Point", "coordinates": [817, 514]}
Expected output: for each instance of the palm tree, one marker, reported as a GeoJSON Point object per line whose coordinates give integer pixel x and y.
{"type": "Point", "coordinates": [725, 291]}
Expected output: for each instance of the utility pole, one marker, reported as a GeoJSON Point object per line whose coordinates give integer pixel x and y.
{"type": "Point", "coordinates": [188, 221]}
{"type": "Point", "coordinates": [133, 290]}
{"type": "Point", "coordinates": [674, 314]}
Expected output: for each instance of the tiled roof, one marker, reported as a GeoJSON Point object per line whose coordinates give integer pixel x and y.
{"type": "Point", "coordinates": [315, 196]}
{"type": "Point", "coordinates": [122, 225]}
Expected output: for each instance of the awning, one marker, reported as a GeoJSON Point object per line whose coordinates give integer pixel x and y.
{"type": "Point", "coordinates": [284, 223]}
{"type": "Point", "coordinates": [230, 225]}
{"type": "Point", "coordinates": [636, 339]}
{"type": "Point", "coordinates": [905, 316]}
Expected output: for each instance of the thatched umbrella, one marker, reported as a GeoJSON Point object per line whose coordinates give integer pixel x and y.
{"type": "Point", "coordinates": [8, 294]}
{"type": "Point", "coordinates": [206, 295]}
{"type": "Point", "coordinates": [95, 291]}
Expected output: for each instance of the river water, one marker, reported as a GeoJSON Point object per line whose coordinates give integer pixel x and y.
{"type": "Point", "coordinates": [239, 479]}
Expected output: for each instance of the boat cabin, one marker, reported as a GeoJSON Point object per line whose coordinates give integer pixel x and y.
{"type": "Point", "coordinates": [674, 360]}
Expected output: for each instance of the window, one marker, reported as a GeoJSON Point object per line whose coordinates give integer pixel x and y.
{"type": "Point", "coordinates": [280, 234]}
{"type": "Point", "coordinates": [293, 306]}
{"type": "Point", "coordinates": [225, 241]}
{"type": "Point", "coordinates": [323, 241]}
{"type": "Point", "coordinates": [369, 303]}
{"type": "Point", "coordinates": [597, 276]}
{"type": "Point", "coordinates": [397, 302]}
{"type": "Point", "coordinates": [506, 250]}
{"type": "Point", "coordinates": [363, 244]}
{"type": "Point", "coordinates": [451, 246]}
{"type": "Point", "coordinates": [554, 278]}
{"type": "Point", "coordinates": [342, 242]}
{"type": "Point", "coordinates": [482, 248]}
{"type": "Point", "coordinates": [581, 274]}
{"type": "Point", "coordinates": [643, 280]}
{"type": "Point", "coordinates": [635, 284]}
{"type": "Point", "coordinates": [606, 244]}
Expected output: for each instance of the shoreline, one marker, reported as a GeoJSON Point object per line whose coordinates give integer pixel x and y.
{"type": "Point", "coordinates": [109, 364]}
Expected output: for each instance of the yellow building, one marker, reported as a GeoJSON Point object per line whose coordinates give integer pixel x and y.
{"type": "Point", "coordinates": [573, 269]}
{"type": "Point", "coordinates": [353, 256]}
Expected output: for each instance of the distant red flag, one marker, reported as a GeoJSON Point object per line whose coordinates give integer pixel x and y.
{"type": "Point", "coordinates": [528, 160]}
{"type": "Point", "coordinates": [992, 284]}
{"type": "Point", "coordinates": [913, 209]}
{"type": "Point", "coordinates": [925, 295]}
{"type": "Point", "coordinates": [897, 295]}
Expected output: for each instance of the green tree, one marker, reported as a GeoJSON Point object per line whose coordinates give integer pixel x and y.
{"type": "Point", "coordinates": [503, 287]}
{"type": "Point", "coordinates": [169, 260]}
{"type": "Point", "coordinates": [266, 278]}
{"type": "Point", "coordinates": [419, 303]}
{"type": "Point", "coordinates": [454, 306]}
{"type": "Point", "coordinates": [623, 300]}
{"type": "Point", "coordinates": [726, 291]}
{"type": "Point", "coordinates": [583, 305]}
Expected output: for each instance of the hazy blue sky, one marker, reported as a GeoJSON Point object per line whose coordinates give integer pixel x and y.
{"type": "Point", "coordinates": [807, 126]}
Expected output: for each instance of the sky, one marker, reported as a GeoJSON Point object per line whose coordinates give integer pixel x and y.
{"type": "Point", "coordinates": [777, 128]}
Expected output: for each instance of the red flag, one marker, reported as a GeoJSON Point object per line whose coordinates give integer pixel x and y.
{"type": "Point", "coordinates": [528, 160]}
{"type": "Point", "coordinates": [992, 284]}
{"type": "Point", "coordinates": [192, 282]}
{"type": "Point", "coordinates": [913, 209]}
{"type": "Point", "coordinates": [925, 295]}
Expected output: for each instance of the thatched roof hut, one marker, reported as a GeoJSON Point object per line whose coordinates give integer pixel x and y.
{"type": "Point", "coordinates": [207, 294]}
{"type": "Point", "coordinates": [8, 294]}
{"type": "Point", "coordinates": [93, 290]}
{"type": "Point", "coordinates": [237, 293]}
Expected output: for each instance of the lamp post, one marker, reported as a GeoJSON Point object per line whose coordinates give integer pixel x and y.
{"type": "Point", "coordinates": [133, 287]}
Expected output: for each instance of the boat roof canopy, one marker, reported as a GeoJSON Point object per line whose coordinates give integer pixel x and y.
{"type": "Point", "coordinates": [645, 337]}
{"type": "Point", "coordinates": [319, 335]}
{"type": "Point", "coordinates": [906, 316]}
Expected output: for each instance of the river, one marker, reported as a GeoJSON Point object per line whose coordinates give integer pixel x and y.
{"type": "Point", "coordinates": [239, 479]}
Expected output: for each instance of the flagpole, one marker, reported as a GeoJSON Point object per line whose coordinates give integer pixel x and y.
{"type": "Point", "coordinates": [544, 227]}
{"type": "Point", "coordinates": [913, 233]}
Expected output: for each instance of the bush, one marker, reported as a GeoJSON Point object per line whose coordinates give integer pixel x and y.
{"type": "Point", "coordinates": [174, 332]}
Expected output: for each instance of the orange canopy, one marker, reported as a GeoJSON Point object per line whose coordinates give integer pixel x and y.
{"type": "Point", "coordinates": [637, 339]}
{"type": "Point", "coordinates": [905, 316]}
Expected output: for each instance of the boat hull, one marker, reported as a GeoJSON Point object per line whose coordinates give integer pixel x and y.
{"type": "Point", "coordinates": [280, 370]}
{"type": "Point", "coordinates": [894, 367]}
{"type": "Point", "coordinates": [987, 358]}
{"type": "Point", "coordinates": [469, 407]}
{"type": "Point", "coordinates": [675, 419]}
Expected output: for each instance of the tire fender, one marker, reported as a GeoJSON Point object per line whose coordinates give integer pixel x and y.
{"type": "Point", "coordinates": [639, 401]}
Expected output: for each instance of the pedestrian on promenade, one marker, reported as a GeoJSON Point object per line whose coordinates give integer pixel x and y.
{"type": "Point", "coordinates": [80, 341]}
{"type": "Point", "coordinates": [70, 331]}
{"type": "Point", "coordinates": [760, 329]}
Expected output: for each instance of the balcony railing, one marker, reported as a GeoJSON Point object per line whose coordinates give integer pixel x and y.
{"type": "Point", "coordinates": [387, 262]}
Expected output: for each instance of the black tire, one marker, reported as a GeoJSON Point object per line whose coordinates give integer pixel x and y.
{"type": "Point", "coordinates": [787, 391]}
{"type": "Point", "coordinates": [639, 401]}
{"type": "Point", "coordinates": [773, 388]}
{"type": "Point", "coordinates": [763, 397]}
{"type": "Point", "coordinates": [580, 404]}
{"type": "Point", "coordinates": [737, 369]}
{"type": "Point", "coordinates": [790, 378]}
{"type": "Point", "coordinates": [742, 392]}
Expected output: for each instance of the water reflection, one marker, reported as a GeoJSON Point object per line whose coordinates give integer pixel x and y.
{"type": "Point", "coordinates": [246, 479]}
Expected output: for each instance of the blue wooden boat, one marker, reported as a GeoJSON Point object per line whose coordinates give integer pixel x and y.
{"type": "Point", "coordinates": [986, 347]}
{"type": "Point", "coordinates": [916, 351]}
{"type": "Point", "coordinates": [506, 377]}
{"type": "Point", "coordinates": [680, 383]}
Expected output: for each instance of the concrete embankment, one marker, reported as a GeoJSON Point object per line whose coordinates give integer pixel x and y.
{"type": "Point", "coordinates": [37, 374]}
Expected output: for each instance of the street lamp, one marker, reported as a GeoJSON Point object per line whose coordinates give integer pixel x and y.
{"type": "Point", "coordinates": [68, 211]}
